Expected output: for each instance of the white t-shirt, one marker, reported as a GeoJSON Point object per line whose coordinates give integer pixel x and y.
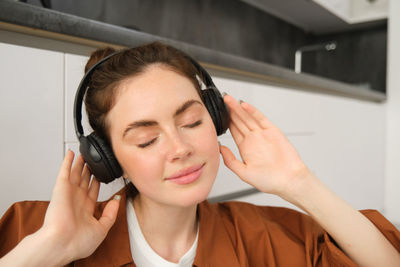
{"type": "Point", "coordinates": [143, 255]}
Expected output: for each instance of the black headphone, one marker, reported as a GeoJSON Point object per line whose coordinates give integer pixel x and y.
{"type": "Point", "coordinates": [97, 152]}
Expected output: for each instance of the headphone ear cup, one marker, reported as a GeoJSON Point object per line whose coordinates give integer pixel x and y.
{"type": "Point", "coordinates": [216, 107]}
{"type": "Point", "coordinates": [100, 158]}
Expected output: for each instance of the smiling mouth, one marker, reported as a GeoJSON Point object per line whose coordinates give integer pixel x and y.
{"type": "Point", "coordinates": [187, 176]}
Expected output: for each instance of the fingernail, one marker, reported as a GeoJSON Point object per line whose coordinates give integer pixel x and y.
{"type": "Point", "coordinates": [241, 101]}
{"type": "Point", "coordinates": [117, 197]}
{"type": "Point", "coordinates": [223, 94]}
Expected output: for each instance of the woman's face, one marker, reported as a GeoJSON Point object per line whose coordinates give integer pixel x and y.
{"type": "Point", "coordinates": [164, 137]}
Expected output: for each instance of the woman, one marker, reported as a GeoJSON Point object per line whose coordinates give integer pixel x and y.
{"type": "Point", "coordinates": [146, 103]}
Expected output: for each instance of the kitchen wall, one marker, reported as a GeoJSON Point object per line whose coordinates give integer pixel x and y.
{"type": "Point", "coordinates": [224, 25]}
{"type": "Point", "coordinates": [392, 156]}
{"type": "Point", "coordinates": [240, 29]}
{"type": "Point", "coordinates": [359, 59]}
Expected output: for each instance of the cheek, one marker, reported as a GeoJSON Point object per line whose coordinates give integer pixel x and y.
{"type": "Point", "coordinates": [207, 143]}
{"type": "Point", "coordinates": [139, 165]}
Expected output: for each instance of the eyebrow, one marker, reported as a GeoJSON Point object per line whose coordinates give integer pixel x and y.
{"type": "Point", "coordinates": [149, 123]}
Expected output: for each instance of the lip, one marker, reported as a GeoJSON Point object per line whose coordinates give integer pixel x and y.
{"type": "Point", "coordinates": [188, 175]}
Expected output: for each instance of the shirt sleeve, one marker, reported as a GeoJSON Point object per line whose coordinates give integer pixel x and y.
{"type": "Point", "coordinates": [20, 220]}
{"type": "Point", "coordinates": [332, 255]}
{"type": "Point", "coordinates": [280, 236]}
{"type": "Point", "coordinates": [320, 248]}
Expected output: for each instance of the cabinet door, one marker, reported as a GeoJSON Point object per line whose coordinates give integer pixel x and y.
{"type": "Point", "coordinates": [31, 108]}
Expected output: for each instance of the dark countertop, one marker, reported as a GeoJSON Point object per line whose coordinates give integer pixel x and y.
{"type": "Point", "coordinates": [33, 17]}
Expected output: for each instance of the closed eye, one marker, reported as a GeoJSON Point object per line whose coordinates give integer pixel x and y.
{"type": "Point", "coordinates": [147, 144]}
{"type": "Point", "coordinates": [197, 123]}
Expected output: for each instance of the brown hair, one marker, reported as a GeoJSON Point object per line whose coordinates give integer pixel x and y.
{"type": "Point", "coordinates": [105, 80]}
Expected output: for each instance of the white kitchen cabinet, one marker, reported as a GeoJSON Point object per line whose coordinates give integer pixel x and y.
{"type": "Point", "coordinates": [31, 119]}
{"type": "Point", "coordinates": [357, 11]}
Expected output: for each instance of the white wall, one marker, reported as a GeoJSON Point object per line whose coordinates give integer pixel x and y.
{"type": "Point", "coordinates": [392, 182]}
{"type": "Point", "coordinates": [31, 111]}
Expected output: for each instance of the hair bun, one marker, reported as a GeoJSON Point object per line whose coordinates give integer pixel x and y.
{"type": "Point", "coordinates": [97, 55]}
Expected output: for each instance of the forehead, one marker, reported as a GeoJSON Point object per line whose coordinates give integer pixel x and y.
{"type": "Point", "coordinates": [157, 90]}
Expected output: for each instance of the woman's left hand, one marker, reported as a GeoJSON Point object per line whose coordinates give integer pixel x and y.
{"type": "Point", "coordinates": [269, 162]}
{"type": "Point", "coordinates": [272, 165]}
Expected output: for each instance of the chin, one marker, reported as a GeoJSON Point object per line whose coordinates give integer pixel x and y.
{"type": "Point", "coordinates": [194, 197]}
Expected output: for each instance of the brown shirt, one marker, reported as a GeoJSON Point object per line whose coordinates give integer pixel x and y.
{"type": "Point", "coordinates": [230, 234]}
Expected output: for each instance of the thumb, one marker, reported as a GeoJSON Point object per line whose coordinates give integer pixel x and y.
{"type": "Point", "coordinates": [231, 161]}
{"type": "Point", "coordinates": [110, 213]}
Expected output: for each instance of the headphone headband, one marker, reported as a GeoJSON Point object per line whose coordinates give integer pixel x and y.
{"type": "Point", "coordinates": [80, 94]}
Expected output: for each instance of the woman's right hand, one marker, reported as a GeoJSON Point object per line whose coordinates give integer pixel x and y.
{"type": "Point", "coordinates": [70, 231]}
{"type": "Point", "coordinates": [69, 219]}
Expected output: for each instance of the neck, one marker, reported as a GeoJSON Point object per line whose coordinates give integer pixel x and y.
{"type": "Point", "coordinates": [169, 230]}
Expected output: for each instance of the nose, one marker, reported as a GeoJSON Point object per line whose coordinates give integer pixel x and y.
{"type": "Point", "coordinates": [179, 148]}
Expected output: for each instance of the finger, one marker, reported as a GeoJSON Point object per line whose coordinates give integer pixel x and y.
{"type": "Point", "coordinates": [261, 119]}
{"type": "Point", "coordinates": [94, 189]}
{"type": "Point", "coordinates": [63, 175]}
{"type": "Point", "coordinates": [65, 168]}
{"type": "Point", "coordinates": [231, 161]}
{"type": "Point", "coordinates": [76, 172]}
{"type": "Point", "coordinates": [240, 125]}
{"type": "Point", "coordinates": [239, 115]}
{"type": "Point", "coordinates": [109, 215]}
{"type": "Point", "coordinates": [236, 134]}
{"type": "Point", "coordinates": [85, 178]}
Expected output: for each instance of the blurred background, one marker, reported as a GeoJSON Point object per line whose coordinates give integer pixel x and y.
{"type": "Point", "coordinates": [325, 71]}
{"type": "Point", "coordinates": [264, 30]}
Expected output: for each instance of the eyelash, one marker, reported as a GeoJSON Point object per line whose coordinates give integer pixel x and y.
{"type": "Point", "coordinates": [197, 123]}
{"type": "Point", "coordinates": [193, 125]}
